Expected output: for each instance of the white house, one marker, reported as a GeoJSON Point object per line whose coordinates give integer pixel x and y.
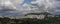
{"type": "Point", "coordinates": [35, 15]}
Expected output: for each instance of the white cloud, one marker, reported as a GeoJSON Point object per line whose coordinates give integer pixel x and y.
{"type": "Point", "coordinates": [45, 5]}
{"type": "Point", "coordinates": [16, 2]}
{"type": "Point", "coordinates": [11, 4]}
{"type": "Point", "coordinates": [34, 6]}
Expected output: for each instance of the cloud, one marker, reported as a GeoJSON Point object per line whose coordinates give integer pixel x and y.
{"type": "Point", "coordinates": [51, 6]}
{"type": "Point", "coordinates": [10, 7]}
{"type": "Point", "coordinates": [10, 4]}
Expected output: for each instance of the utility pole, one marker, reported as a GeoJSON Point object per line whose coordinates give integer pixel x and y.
{"type": "Point", "coordinates": [46, 7]}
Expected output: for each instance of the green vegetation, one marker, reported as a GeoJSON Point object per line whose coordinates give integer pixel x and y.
{"type": "Point", "coordinates": [46, 20]}
{"type": "Point", "coordinates": [50, 20]}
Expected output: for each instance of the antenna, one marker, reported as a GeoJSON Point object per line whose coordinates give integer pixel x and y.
{"type": "Point", "coordinates": [46, 5]}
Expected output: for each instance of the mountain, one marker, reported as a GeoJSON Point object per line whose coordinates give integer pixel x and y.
{"type": "Point", "coordinates": [44, 13]}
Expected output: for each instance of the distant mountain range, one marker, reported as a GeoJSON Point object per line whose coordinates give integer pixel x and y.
{"type": "Point", "coordinates": [44, 13]}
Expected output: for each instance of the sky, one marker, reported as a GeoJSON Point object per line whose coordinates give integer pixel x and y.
{"type": "Point", "coordinates": [22, 7]}
{"type": "Point", "coordinates": [26, 1]}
